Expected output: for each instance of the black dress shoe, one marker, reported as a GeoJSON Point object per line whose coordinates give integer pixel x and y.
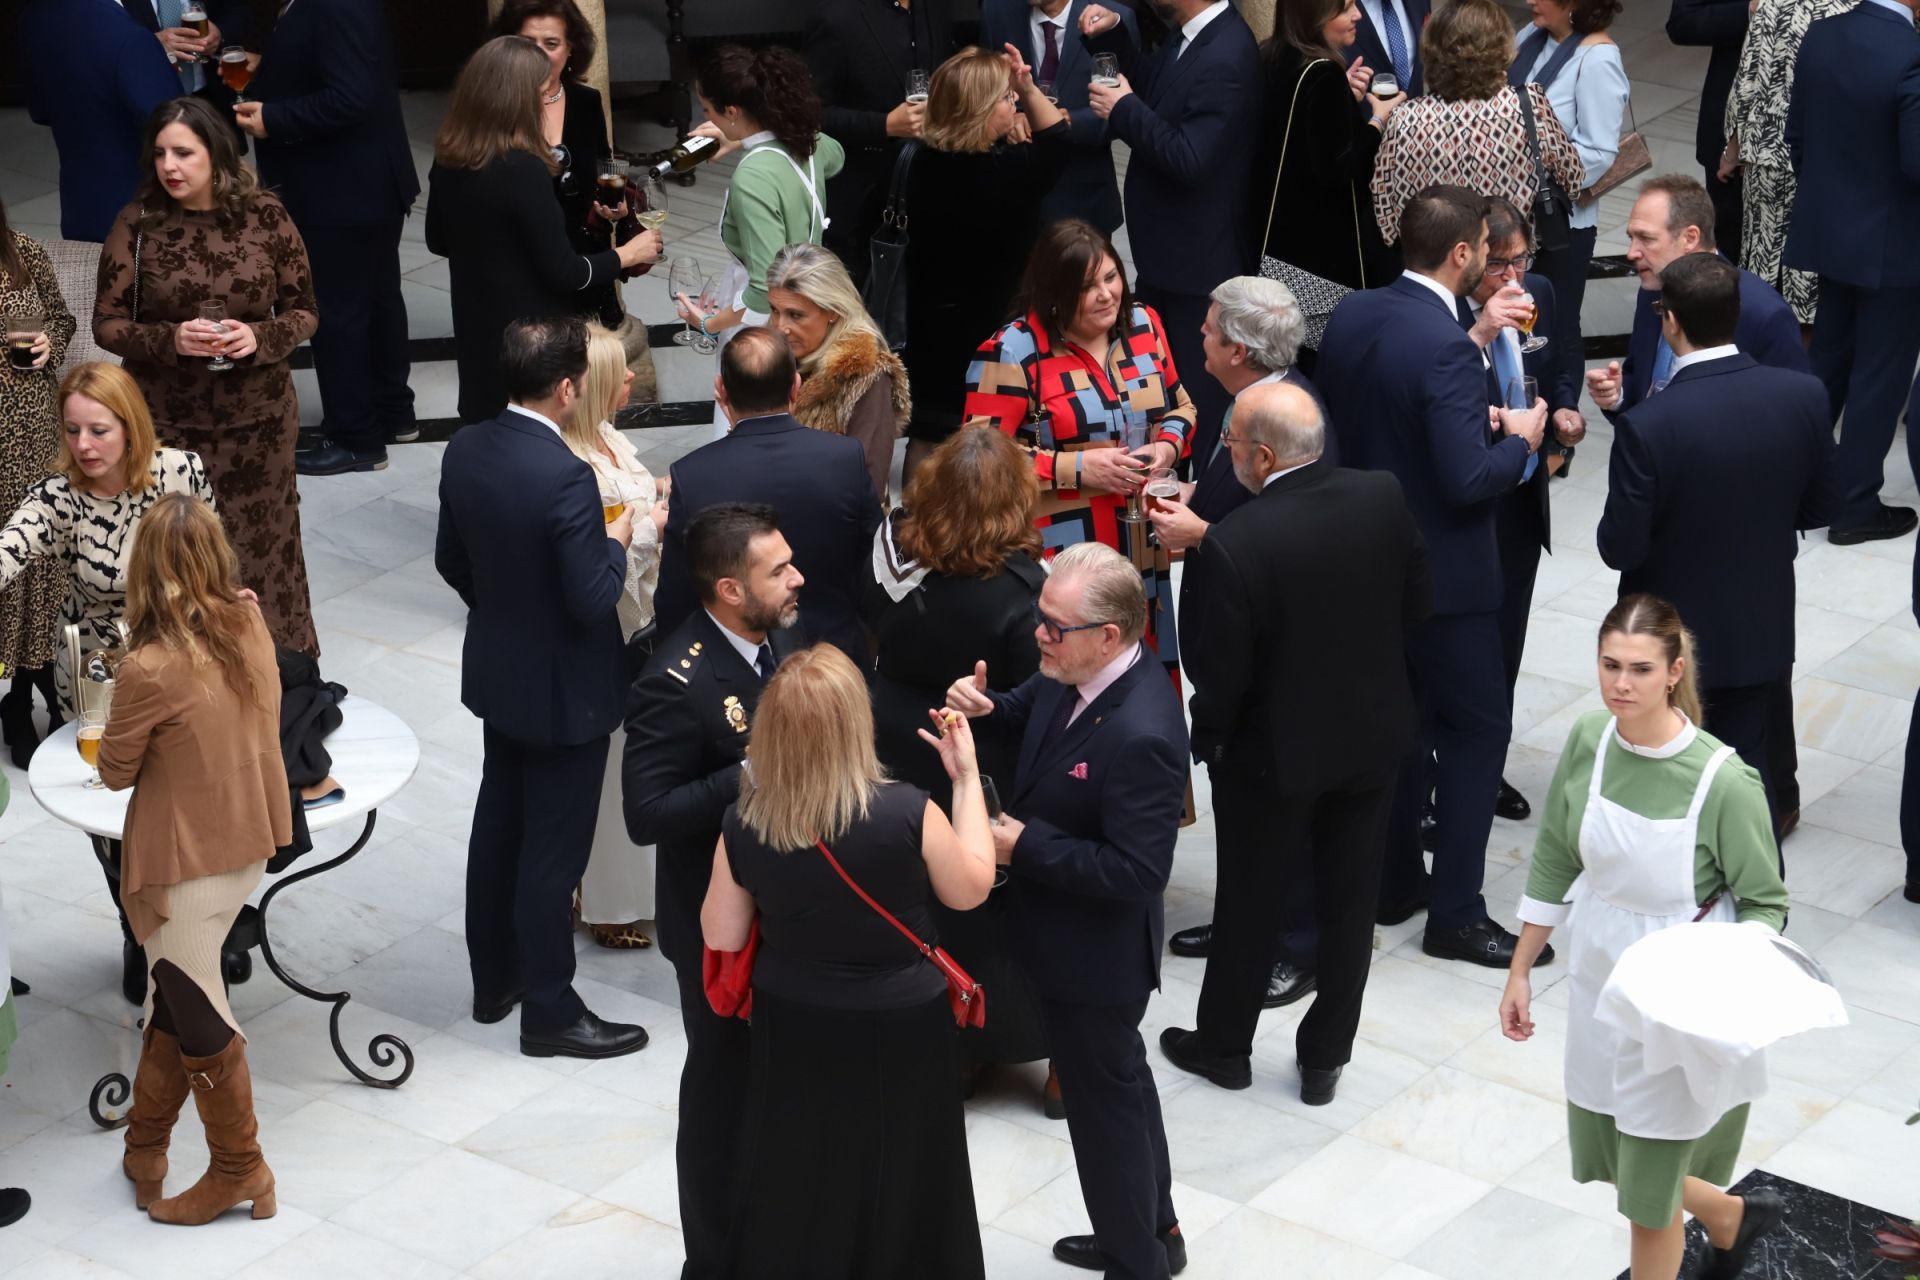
{"type": "Point", "coordinates": [587, 1038]}
{"type": "Point", "coordinates": [1764, 1209]}
{"type": "Point", "coordinates": [1194, 942]}
{"type": "Point", "coordinates": [1788, 821]}
{"type": "Point", "coordinates": [1887, 522]}
{"type": "Point", "coordinates": [13, 1205]}
{"type": "Point", "coordinates": [1399, 912]}
{"type": "Point", "coordinates": [1482, 942]}
{"type": "Point", "coordinates": [1185, 1050]}
{"type": "Point", "coordinates": [331, 459]}
{"type": "Point", "coordinates": [1085, 1251]}
{"type": "Point", "coordinates": [1911, 893]}
{"type": "Point", "coordinates": [492, 1011]}
{"type": "Point", "coordinates": [133, 972]}
{"type": "Point", "coordinates": [1511, 805]}
{"type": "Point", "coordinates": [20, 988]}
{"type": "Point", "coordinates": [1287, 983]}
{"type": "Point", "coordinates": [404, 435]}
{"type": "Point", "coordinates": [1318, 1083]}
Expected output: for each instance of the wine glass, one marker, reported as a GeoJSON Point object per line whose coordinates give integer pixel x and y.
{"type": "Point", "coordinates": [1133, 438]}
{"type": "Point", "coordinates": [91, 727]}
{"type": "Point", "coordinates": [236, 71]}
{"type": "Point", "coordinates": [1534, 341]}
{"type": "Point", "coordinates": [215, 313]}
{"type": "Point", "coordinates": [649, 192]}
{"type": "Point", "coordinates": [684, 275]}
{"type": "Point", "coordinates": [706, 344]}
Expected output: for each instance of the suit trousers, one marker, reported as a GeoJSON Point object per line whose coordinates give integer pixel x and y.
{"type": "Point", "coordinates": [1274, 849]}
{"type": "Point", "coordinates": [1742, 717]}
{"type": "Point", "coordinates": [1865, 342]}
{"type": "Point", "coordinates": [1783, 756]}
{"type": "Point", "coordinates": [1519, 568]}
{"type": "Point", "coordinates": [1729, 210]}
{"type": "Point", "coordinates": [1458, 674]}
{"type": "Point", "coordinates": [706, 1145]}
{"type": "Point", "coordinates": [1182, 314]}
{"type": "Point", "coordinates": [1119, 1142]}
{"type": "Point", "coordinates": [360, 349]}
{"type": "Point", "coordinates": [532, 833]}
{"type": "Point", "coordinates": [1910, 798]}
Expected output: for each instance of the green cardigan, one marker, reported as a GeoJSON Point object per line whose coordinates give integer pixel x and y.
{"type": "Point", "coordinates": [768, 208]}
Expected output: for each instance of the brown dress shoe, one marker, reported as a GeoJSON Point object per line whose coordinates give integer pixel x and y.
{"type": "Point", "coordinates": [223, 1090]}
{"type": "Point", "coordinates": [159, 1091]}
{"type": "Point", "coordinates": [1051, 1100]}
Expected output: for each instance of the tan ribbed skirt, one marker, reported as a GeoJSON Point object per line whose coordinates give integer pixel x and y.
{"type": "Point", "coordinates": [199, 913]}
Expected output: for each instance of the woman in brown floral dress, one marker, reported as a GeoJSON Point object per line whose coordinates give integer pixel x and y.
{"type": "Point", "coordinates": [202, 230]}
{"type": "Point", "coordinates": [29, 437]}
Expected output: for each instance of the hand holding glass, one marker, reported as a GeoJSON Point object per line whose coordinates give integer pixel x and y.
{"type": "Point", "coordinates": [1534, 341]}
{"type": "Point", "coordinates": [215, 314]}
{"type": "Point", "coordinates": [917, 84]}
{"type": "Point", "coordinates": [23, 332]}
{"type": "Point", "coordinates": [1106, 70]}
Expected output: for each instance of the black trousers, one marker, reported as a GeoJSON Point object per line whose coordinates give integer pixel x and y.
{"type": "Point", "coordinates": [1783, 755]}
{"type": "Point", "coordinates": [1182, 314]}
{"type": "Point", "coordinates": [1729, 210]}
{"type": "Point", "coordinates": [1567, 269]}
{"type": "Point", "coordinates": [1744, 718]}
{"type": "Point", "coordinates": [707, 1145]}
{"type": "Point", "coordinates": [1865, 342]}
{"type": "Point", "coordinates": [1326, 848]}
{"type": "Point", "coordinates": [1519, 569]}
{"type": "Point", "coordinates": [360, 349]}
{"type": "Point", "coordinates": [1458, 672]}
{"type": "Point", "coordinates": [532, 831]}
{"type": "Point", "coordinates": [1910, 798]}
{"type": "Point", "coordinates": [1119, 1142]}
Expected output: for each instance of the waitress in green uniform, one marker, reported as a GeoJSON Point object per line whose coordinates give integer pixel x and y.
{"type": "Point", "coordinates": [1651, 823]}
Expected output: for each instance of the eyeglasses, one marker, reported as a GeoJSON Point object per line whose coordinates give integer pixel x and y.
{"type": "Point", "coordinates": [1011, 98]}
{"type": "Point", "coordinates": [1056, 632]}
{"type": "Point", "coordinates": [1658, 306]}
{"type": "Point", "coordinates": [1500, 266]}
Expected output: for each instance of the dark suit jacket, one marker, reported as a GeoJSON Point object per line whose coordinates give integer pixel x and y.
{"type": "Point", "coordinates": [1853, 132]}
{"type": "Point", "coordinates": [1528, 507]}
{"type": "Point", "coordinates": [94, 78]}
{"type": "Point", "coordinates": [1189, 122]}
{"type": "Point", "coordinates": [1408, 392]}
{"type": "Point", "coordinates": [522, 540]}
{"type": "Point", "coordinates": [1720, 25]}
{"type": "Point", "coordinates": [1345, 541]}
{"type": "Point", "coordinates": [1088, 189]}
{"type": "Point", "coordinates": [1370, 44]}
{"type": "Point", "coordinates": [1708, 482]}
{"type": "Point", "coordinates": [229, 15]}
{"type": "Point", "coordinates": [336, 144]}
{"type": "Point", "coordinates": [818, 484]}
{"type": "Point", "coordinates": [681, 768]}
{"type": "Point", "coordinates": [1768, 331]}
{"type": "Point", "coordinates": [1090, 867]}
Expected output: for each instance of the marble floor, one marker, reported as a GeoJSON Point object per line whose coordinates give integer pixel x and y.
{"type": "Point", "coordinates": [1442, 1159]}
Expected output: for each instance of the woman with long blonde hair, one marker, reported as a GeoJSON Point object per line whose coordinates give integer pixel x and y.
{"type": "Point", "coordinates": [855, 1154]}
{"type": "Point", "coordinates": [195, 727]}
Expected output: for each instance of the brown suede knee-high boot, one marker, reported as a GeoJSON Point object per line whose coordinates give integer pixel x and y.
{"type": "Point", "coordinates": [223, 1090]}
{"type": "Point", "coordinates": [159, 1091]}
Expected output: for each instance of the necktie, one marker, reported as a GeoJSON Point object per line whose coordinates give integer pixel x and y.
{"type": "Point", "coordinates": [1396, 45]}
{"type": "Point", "coordinates": [1662, 368]}
{"type": "Point", "coordinates": [1050, 56]}
{"type": "Point", "coordinates": [763, 661]}
{"type": "Point", "coordinates": [1070, 698]}
{"type": "Point", "coordinates": [1506, 367]}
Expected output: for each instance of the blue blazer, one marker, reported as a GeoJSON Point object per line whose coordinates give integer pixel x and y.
{"type": "Point", "coordinates": [1706, 485]}
{"type": "Point", "coordinates": [1190, 122]}
{"type": "Point", "coordinates": [1408, 392]}
{"type": "Point", "coordinates": [522, 540]}
{"type": "Point", "coordinates": [1370, 44]}
{"type": "Point", "coordinates": [819, 486]}
{"type": "Point", "coordinates": [1853, 133]}
{"type": "Point", "coordinates": [1768, 331]}
{"type": "Point", "coordinates": [94, 78]}
{"type": "Point", "coordinates": [336, 145]}
{"type": "Point", "coordinates": [1102, 807]}
{"type": "Point", "coordinates": [1088, 189]}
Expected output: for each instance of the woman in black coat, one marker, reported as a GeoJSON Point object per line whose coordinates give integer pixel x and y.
{"type": "Point", "coordinates": [493, 215]}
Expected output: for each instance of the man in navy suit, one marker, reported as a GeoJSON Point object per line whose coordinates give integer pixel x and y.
{"type": "Point", "coordinates": [94, 78]}
{"type": "Point", "coordinates": [1707, 485]}
{"type": "Point", "coordinates": [523, 543]}
{"type": "Point", "coordinates": [1047, 34]}
{"type": "Point", "coordinates": [1087, 841]}
{"type": "Point", "coordinates": [1408, 390]}
{"type": "Point", "coordinates": [1188, 127]}
{"type": "Point", "coordinates": [817, 482]}
{"type": "Point", "coordinates": [1388, 39]}
{"type": "Point", "coordinates": [1853, 134]}
{"type": "Point", "coordinates": [325, 110]}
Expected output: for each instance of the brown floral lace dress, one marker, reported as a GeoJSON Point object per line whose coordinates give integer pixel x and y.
{"type": "Point", "coordinates": [29, 437]}
{"type": "Point", "coordinates": [242, 423]}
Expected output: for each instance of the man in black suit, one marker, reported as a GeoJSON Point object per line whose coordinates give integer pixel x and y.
{"type": "Point", "coordinates": [1408, 391]}
{"type": "Point", "coordinates": [523, 542]}
{"type": "Point", "coordinates": [818, 483]}
{"type": "Point", "coordinates": [325, 109]}
{"type": "Point", "coordinates": [687, 723]}
{"type": "Point", "coordinates": [1720, 25]}
{"type": "Point", "coordinates": [1388, 39]}
{"type": "Point", "coordinates": [860, 52]}
{"type": "Point", "coordinates": [1087, 841]}
{"type": "Point", "coordinates": [1708, 482]}
{"type": "Point", "coordinates": [1303, 719]}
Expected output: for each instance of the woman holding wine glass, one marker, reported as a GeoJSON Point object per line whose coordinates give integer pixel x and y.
{"type": "Point", "coordinates": [204, 292]}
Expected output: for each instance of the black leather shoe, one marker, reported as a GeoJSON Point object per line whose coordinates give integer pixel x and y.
{"type": "Point", "coordinates": [1318, 1083]}
{"type": "Point", "coordinates": [492, 1011]}
{"type": "Point", "coordinates": [1399, 912]}
{"type": "Point", "coordinates": [133, 972]}
{"type": "Point", "coordinates": [1287, 983]}
{"type": "Point", "coordinates": [236, 966]}
{"type": "Point", "coordinates": [331, 459]}
{"type": "Point", "coordinates": [404, 435]}
{"type": "Point", "coordinates": [1085, 1251]}
{"type": "Point", "coordinates": [1764, 1209]}
{"type": "Point", "coordinates": [1482, 942]}
{"type": "Point", "coordinates": [1185, 1051]}
{"type": "Point", "coordinates": [1194, 942]}
{"type": "Point", "coordinates": [14, 1204]}
{"type": "Point", "coordinates": [1911, 893]}
{"type": "Point", "coordinates": [1788, 821]}
{"type": "Point", "coordinates": [20, 988]}
{"type": "Point", "coordinates": [1888, 522]}
{"type": "Point", "coordinates": [1511, 805]}
{"type": "Point", "coordinates": [587, 1038]}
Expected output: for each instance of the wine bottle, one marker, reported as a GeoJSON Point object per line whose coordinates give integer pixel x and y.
{"type": "Point", "coordinates": [691, 151]}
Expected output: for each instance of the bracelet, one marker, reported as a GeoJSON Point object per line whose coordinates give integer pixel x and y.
{"type": "Point", "coordinates": [703, 326]}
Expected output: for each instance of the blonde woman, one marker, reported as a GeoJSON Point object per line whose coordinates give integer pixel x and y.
{"type": "Point", "coordinates": [853, 385]}
{"type": "Point", "coordinates": [616, 893]}
{"type": "Point", "coordinates": [854, 1152]}
{"type": "Point", "coordinates": [195, 730]}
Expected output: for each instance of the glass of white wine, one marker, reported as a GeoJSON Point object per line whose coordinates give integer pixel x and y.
{"type": "Point", "coordinates": [650, 202]}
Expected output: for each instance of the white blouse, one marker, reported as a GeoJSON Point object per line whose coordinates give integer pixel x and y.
{"type": "Point", "coordinates": [624, 478]}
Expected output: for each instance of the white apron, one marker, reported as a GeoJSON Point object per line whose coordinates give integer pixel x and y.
{"type": "Point", "coordinates": [1638, 880]}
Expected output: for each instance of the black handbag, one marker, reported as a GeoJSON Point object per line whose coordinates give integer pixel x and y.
{"type": "Point", "coordinates": [1552, 210]}
{"type": "Point", "coordinates": [885, 294]}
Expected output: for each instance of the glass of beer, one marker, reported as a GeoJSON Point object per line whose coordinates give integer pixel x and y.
{"type": "Point", "coordinates": [1385, 84]}
{"type": "Point", "coordinates": [193, 16]}
{"type": "Point", "coordinates": [1106, 70]}
{"type": "Point", "coordinates": [1534, 341]}
{"type": "Point", "coordinates": [92, 725]}
{"type": "Point", "coordinates": [610, 513]}
{"type": "Point", "coordinates": [23, 330]}
{"type": "Point", "coordinates": [917, 82]}
{"type": "Point", "coordinates": [215, 313]}
{"type": "Point", "coordinates": [236, 71]}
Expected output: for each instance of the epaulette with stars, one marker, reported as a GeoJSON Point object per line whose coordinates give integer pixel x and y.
{"type": "Point", "coordinates": [685, 668]}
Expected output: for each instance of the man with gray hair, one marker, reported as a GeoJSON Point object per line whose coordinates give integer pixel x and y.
{"type": "Point", "coordinates": [1302, 720]}
{"type": "Point", "coordinates": [1087, 842]}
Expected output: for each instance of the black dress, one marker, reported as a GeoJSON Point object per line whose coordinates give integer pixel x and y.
{"type": "Point", "coordinates": [929, 629]}
{"type": "Point", "coordinates": [583, 145]}
{"type": "Point", "coordinates": [974, 216]}
{"type": "Point", "coordinates": [509, 255]}
{"type": "Point", "coordinates": [854, 1153]}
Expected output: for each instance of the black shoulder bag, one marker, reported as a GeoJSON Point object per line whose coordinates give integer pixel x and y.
{"type": "Point", "coordinates": [885, 294]}
{"type": "Point", "coordinates": [1551, 208]}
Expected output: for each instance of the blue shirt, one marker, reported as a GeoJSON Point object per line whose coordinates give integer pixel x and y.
{"type": "Point", "coordinates": [1589, 97]}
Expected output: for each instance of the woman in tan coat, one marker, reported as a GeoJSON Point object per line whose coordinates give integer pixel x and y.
{"type": "Point", "coordinates": [196, 725]}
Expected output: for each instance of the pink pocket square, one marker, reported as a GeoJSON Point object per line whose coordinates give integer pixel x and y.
{"type": "Point", "coordinates": [1078, 771]}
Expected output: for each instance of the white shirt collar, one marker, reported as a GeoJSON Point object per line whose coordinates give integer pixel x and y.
{"type": "Point", "coordinates": [1198, 23]}
{"type": "Point", "coordinates": [1680, 741]}
{"type": "Point", "coordinates": [1284, 471]}
{"type": "Point", "coordinates": [1705, 354]}
{"type": "Point", "coordinates": [1104, 677]}
{"type": "Point", "coordinates": [538, 417]}
{"type": "Point", "coordinates": [1035, 18]}
{"type": "Point", "coordinates": [759, 139]}
{"type": "Point", "coordinates": [1440, 291]}
{"type": "Point", "coordinates": [746, 648]}
{"type": "Point", "coordinates": [1267, 381]}
{"type": "Point", "coordinates": [1900, 9]}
